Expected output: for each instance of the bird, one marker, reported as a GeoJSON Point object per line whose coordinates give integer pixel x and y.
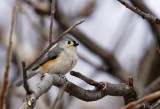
{"type": "Point", "coordinates": [59, 60]}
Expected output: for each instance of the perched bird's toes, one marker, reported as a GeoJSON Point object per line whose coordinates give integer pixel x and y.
{"type": "Point", "coordinates": [43, 75]}
{"type": "Point", "coordinates": [60, 75]}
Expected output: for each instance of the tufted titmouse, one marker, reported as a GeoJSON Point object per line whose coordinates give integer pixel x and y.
{"type": "Point", "coordinates": [61, 59]}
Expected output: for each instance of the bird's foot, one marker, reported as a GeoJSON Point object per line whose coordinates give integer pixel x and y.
{"type": "Point", "coordinates": [60, 75]}
{"type": "Point", "coordinates": [43, 75]}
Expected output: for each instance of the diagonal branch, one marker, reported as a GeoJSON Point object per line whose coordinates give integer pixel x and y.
{"type": "Point", "coordinates": [152, 19]}
{"type": "Point", "coordinates": [145, 99]}
{"type": "Point", "coordinates": [148, 17]}
{"type": "Point", "coordinates": [152, 87]}
{"type": "Point", "coordinates": [87, 80]}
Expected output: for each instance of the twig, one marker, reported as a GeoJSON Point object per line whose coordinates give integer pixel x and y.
{"type": "Point", "coordinates": [74, 90]}
{"type": "Point", "coordinates": [130, 81]}
{"type": "Point", "coordinates": [60, 94]}
{"type": "Point", "coordinates": [25, 85]}
{"type": "Point", "coordinates": [158, 49]}
{"type": "Point", "coordinates": [133, 96]}
{"type": "Point", "coordinates": [155, 28]}
{"type": "Point", "coordinates": [5, 79]}
{"type": "Point", "coordinates": [87, 80]}
{"type": "Point", "coordinates": [38, 28]}
{"type": "Point", "coordinates": [155, 105]}
{"type": "Point", "coordinates": [145, 99]}
{"type": "Point", "coordinates": [99, 68]}
{"type": "Point", "coordinates": [51, 44]}
{"type": "Point", "coordinates": [39, 7]}
{"type": "Point", "coordinates": [148, 17]}
{"type": "Point", "coordinates": [152, 87]}
{"type": "Point", "coordinates": [52, 17]}
{"type": "Point", "coordinates": [70, 28]}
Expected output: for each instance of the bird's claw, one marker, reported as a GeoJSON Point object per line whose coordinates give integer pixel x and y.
{"type": "Point", "coordinates": [60, 75]}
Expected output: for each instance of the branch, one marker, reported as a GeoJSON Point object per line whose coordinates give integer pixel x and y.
{"type": "Point", "coordinates": [39, 7]}
{"type": "Point", "coordinates": [87, 80]}
{"type": "Point", "coordinates": [139, 3]}
{"type": "Point", "coordinates": [5, 79]}
{"type": "Point", "coordinates": [52, 17]}
{"type": "Point", "coordinates": [74, 90]}
{"type": "Point", "coordinates": [145, 99]}
{"type": "Point", "coordinates": [25, 85]}
{"type": "Point", "coordinates": [156, 105]}
{"type": "Point", "coordinates": [59, 96]}
{"type": "Point", "coordinates": [37, 27]}
{"type": "Point", "coordinates": [152, 87]}
{"type": "Point", "coordinates": [51, 44]}
{"type": "Point", "coordinates": [156, 33]}
{"type": "Point", "coordinates": [148, 17]}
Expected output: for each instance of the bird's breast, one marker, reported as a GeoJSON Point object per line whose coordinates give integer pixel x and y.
{"type": "Point", "coordinates": [62, 64]}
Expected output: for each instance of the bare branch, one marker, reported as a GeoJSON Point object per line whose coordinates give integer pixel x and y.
{"type": "Point", "coordinates": [52, 17]}
{"type": "Point", "coordinates": [148, 17]}
{"type": "Point", "coordinates": [152, 68]}
{"type": "Point", "coordinates": [130, 81]}
{"type": "Point", "coordinates": [154, 86]}
{"type": "Point", "coordinates": [154, 27]}
{"type": "Point", "coordinates": [8, 56]}
{"type": "Point", "coordinates": [145, 99]}
{"type": "Point", "coordinates": [74, 90]}
{"type": "Point", "coordinates": [57, 100]}
{"type": "Point", "coordinates": [37, 27]}
{"type": "Point", "coordinates": [156, 105]}
{"type": "Point", "coordinates": [25, 85]}
{"type": "Point", "coordinates": [39, 7]}
{"type": "Point", "coordinates": [87, 80]}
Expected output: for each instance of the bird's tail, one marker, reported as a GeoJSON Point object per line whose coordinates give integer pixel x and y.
{"type": "Point", "coordinates": [19, 82]}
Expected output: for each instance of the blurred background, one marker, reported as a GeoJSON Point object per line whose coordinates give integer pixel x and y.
{"type": "Point", "coordinates": [111, 27]}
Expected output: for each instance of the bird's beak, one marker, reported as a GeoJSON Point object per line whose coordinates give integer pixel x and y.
{"type": "Point", "coordinates": [75, 44]}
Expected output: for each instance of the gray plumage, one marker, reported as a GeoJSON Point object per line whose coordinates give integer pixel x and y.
{"type": "Point", "coordinates": [62, 59]}
{"type": "Point", "coordinates": [19, 82]}
{"type": "Point", "coordinates": [53, 54]}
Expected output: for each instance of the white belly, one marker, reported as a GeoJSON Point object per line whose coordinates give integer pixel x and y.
{"type": "Point", "coordinates": [65, 63]}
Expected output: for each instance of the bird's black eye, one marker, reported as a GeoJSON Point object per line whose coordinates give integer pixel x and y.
{"type": "Point", "coordinates": [69, 42]}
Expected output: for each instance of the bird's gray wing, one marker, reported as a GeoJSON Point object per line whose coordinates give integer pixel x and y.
{"type": "Point", "coordinates": [52, 54]}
